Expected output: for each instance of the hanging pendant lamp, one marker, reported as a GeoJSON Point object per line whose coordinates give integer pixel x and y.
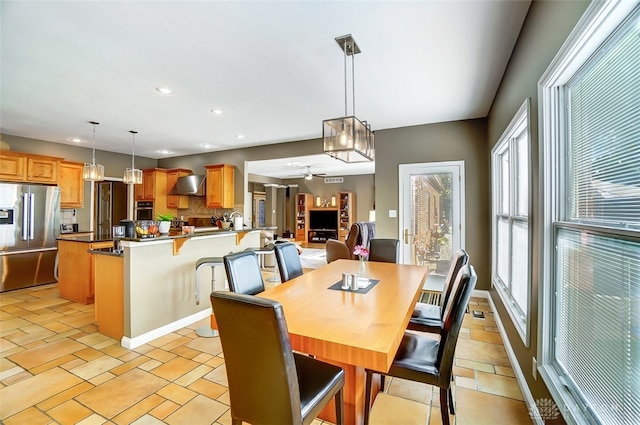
{"type": "Point", "coordinates": [93, 172]}
{"type": "Point", "coordinates": [347, 138]}
{"type": "Point", "coordinates": [133, 175]}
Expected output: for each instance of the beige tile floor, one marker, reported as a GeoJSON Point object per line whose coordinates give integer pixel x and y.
{"type": "Point", "coordinates": [55, 367]}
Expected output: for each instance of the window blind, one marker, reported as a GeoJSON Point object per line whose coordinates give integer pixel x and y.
{"type": "Point", "coordinates": [597, 282]}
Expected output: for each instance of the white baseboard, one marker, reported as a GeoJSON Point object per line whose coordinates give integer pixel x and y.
{"type": "Point", "coordinates": [131, 343]}
{"type": "Point", "coordinates": [524, 388]}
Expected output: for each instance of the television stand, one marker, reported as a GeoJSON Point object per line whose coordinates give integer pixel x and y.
{"type": "Point", "coordinates": [321, 235]}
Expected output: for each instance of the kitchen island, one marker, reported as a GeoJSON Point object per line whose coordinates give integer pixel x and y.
{"type": "Point", "coordinates": [147, 290]}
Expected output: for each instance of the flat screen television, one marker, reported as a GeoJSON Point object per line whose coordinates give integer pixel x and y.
{"type": "Point", "coordinates": [319, 219]}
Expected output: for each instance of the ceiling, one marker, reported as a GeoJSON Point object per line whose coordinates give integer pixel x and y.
{"type": "Point", "coordinates": [272, 67]}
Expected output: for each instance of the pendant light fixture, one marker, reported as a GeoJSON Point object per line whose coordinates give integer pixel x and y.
{"type": "Point", "coordinates": [93, 172]}
{"type": "Point", "coordinates": [133, 175]}
{"type": "Point", "coordinates": [348, 139]}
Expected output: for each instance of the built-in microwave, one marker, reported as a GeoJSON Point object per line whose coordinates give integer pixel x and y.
{"type": "Point", "coordinates": [144, 210]}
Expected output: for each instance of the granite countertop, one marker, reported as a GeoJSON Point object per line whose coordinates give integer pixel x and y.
{"type": "Point", "coordinates": [85, 239]}
{"type": "Point", "coordinates": [179, 235]}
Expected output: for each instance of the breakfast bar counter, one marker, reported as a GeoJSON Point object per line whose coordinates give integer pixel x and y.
{"type": "Point", "coordinates": [147, 291]}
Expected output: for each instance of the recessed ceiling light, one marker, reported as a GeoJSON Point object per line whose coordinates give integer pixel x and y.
{"type": "Point", "coordinates": [205, 145]}
{"type": "Point", "coordinates": [164, 90]}
{"type": "Point", "coordinates": [164, 151]}
{"type": "Point", "coordinates": [76, 140]}
{"type": "Point", "coordinates": [217, 111]}
{"type": "Point", "coordinates": [239, 136]}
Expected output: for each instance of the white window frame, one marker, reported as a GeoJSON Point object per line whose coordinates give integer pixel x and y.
{"type": "Point", "coordinates": [598, 22]}
{"type": "Point", "coordinates": [519, 124]}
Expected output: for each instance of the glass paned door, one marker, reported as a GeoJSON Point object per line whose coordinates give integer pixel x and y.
{"type": "Point", "coordinates": [431, 205]}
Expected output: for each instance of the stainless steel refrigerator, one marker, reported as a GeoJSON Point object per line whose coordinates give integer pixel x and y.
{"type": "Point", "coordinates": [29, 226]}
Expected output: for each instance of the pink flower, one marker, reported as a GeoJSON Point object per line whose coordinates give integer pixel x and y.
{"type": "Point", "coordinates": [360, 251]}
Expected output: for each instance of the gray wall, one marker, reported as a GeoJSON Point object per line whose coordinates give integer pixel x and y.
{"type": "Point", "coordinates": [449, 141]}
{"type": "Point", "coordinates": [546, 28]}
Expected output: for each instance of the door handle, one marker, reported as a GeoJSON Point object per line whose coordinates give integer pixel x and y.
{"type": "Point", "coordinates": [25, 216]}
{"type": "Point", "coordinates": [32, 214]}
{"type": "Point", "coordinates": [406, 236]}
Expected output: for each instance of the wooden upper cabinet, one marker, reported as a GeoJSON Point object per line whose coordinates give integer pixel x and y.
{"type": "Point", "coordinates": [24, 167]}
{"type": "Point", "coordinates": [176, 201]}
{"type": "Point", "coordinates": [154, 188]}
{"type": "Point", "coordinates": [12, 166]}
{"type": "Point", "coordinates": [71, 185]}
{"type": "Point", "coordinates": [220, 185]}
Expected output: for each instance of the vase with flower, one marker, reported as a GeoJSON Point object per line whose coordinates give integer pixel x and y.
{"type": "Point", "coordinates": [362, 252]}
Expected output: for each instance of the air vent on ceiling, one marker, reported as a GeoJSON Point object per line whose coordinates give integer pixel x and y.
{"type": "Point", "coordinates": [334, 179]}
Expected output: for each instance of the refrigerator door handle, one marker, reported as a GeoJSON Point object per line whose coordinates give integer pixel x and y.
{"type": "Point", "coordinates": [25, 216]}
{"type": "Point", "coordinates": [32, 214]}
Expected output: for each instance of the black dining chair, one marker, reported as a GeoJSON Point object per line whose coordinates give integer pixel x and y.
{"type": "Point", "coordinates": [268, 382]}
{"type": "Point", "coordinates": [429, 317]}
{"type": "Point", "coordinates": [421, 358]}
{"type": "Point", "coordinates": [384, 250]}
{"type": "Point", "coordinates": [288, 261]}
{"type": "Point", "coordinates": [243, 272]}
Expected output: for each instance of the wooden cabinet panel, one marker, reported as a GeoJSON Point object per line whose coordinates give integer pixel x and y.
{"type": "Point", "coordinates": [220, 186]}
{"type": "Point", "coordinates": [42, 169]}
{"type": "Point", "coordinates": [176, 201]}
{"type": "Point", "coordinates": [29, 168]}
{"type": "Point", "coordinates": [75, 270]}
{"type": "Point", "coordinates": [71, 185]}
{"type": "Point", "coordinates": [12, 166]}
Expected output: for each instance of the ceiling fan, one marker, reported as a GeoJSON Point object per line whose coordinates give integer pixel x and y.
{"type": "Point", "coordinates": [308, 175]}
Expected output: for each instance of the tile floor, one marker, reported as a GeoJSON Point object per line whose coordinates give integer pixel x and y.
{"type": "Point", "coordinates": [56, 368]}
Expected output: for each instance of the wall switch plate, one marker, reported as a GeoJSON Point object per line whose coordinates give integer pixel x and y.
{"type": "Point", "coordinates": [393, 213]}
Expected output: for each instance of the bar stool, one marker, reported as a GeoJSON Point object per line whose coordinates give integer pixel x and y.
{"type": "Point", "coordinates": [213, 262]}
{"type": "Point", "coordinates": [261, 252]}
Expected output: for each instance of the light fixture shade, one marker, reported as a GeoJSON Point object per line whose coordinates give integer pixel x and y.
{"type": "Point", "coordinates": [347, 139]}
{"type": "Point", "coordinates": [93, 172]}
{"type": "Point", "coordinates": [132, 176]}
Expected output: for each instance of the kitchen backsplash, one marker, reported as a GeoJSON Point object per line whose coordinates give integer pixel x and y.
{"type": "Point", "coordinates": [68, 215]}
{"type": "Point", "coordinates": [198, 208]}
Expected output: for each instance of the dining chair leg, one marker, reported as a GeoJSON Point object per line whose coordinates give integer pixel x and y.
{"type": "Point", "coordinates": [451, 406]}
{"type": "Point", "coordinates": [236, 422]}
{"type": "Point", "coordinates": [339, 408]}
{"type": "Point", "coordinates": [444, 406]}
{"type": "Point", "coordinates": [382, 382]}
{"type": "Point", "coordinates": [367, 397]}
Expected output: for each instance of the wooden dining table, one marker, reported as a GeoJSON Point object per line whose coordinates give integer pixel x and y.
{"type": "Point", "coordinates": [354, 330]}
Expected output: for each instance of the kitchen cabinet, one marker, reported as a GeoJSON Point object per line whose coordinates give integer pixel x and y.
{"type": "Point", "coordinates": [76, 268]}
{"type": "Point", "coordinates": [304, 201]}
{"type": "Point", "coordinates": [71, 185]}
{"type": "Point", "coordinates": [176, 201]}
{"type": "Point", "coordinates": [220, 186]}
{"type": "Point", "coordinates": [154, 188]}
{"type": "Point", "coordinates": [30, 168]}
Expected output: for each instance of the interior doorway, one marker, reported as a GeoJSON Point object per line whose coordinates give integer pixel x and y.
{"type": "Point", "coordinates": [111, 206]}
{"type": "Point", "coordinates": [259, 209]}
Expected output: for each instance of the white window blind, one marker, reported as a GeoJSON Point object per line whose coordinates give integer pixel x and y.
{"type": "Point", "coordinates": [596, 346]}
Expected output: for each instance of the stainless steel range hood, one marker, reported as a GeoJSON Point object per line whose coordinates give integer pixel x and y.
{"type": "Point", "coordinates": [189, 185]}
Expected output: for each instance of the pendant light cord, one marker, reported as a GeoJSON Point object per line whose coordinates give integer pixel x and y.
{"type": "Point", "coordinates": [345, 78]}
{"type": "Point", "coordinates": [93, 154]}
{"type": "Point", "coordinates": [133, 148]}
